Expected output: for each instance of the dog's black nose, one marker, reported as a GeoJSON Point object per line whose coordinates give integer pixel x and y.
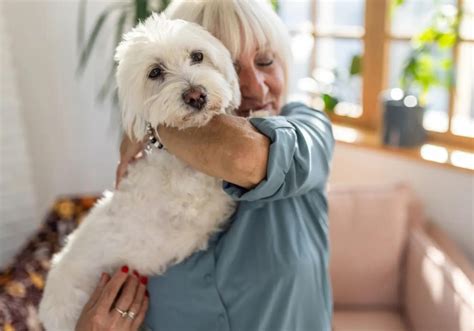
{"type": "Point", "coordinates": [195, 96]}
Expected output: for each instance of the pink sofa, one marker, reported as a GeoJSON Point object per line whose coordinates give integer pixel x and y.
{"type": "Point", "coordinates": [391, 269]}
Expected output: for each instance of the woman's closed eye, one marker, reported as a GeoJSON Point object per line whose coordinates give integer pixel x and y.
{"type": "Point", "coordinates": [265, 62]}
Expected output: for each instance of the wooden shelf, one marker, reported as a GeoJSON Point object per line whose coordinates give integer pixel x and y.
{"type": "Point", "coordinates": [431, 152]}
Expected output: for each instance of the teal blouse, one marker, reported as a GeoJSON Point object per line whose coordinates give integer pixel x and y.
{"type": "Point", "coordinates": [269, 270]}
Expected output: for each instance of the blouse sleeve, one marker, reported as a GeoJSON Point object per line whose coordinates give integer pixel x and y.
{"type": "Point", "coordinates": [300, 154]}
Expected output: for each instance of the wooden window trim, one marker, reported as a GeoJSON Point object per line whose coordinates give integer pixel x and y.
{"type": "Point", "coordinates": [375, 77]}
{"type": "Point", "coordinates": [368, 139]}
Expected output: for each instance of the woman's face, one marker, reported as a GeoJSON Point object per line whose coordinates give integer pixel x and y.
{"type": "Point", "coordinates": [261, 81]}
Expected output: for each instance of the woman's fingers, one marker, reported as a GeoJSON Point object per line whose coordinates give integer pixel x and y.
{"type": "Point", "coordinates": [120, 173]}
{"type": "Point", "coordinates": [111, 289]}
{"type": "Point", "coordinates": [140, 317]}
{"type": "Point", "coordinates": [129, 149]}
{"type": "Point", "coordinates": [139, 298]}
{"type": "Point", "coordinates": [104, 278]}
{"type": "Point", "coordinates": [127, 295]}
{"type": "Point", "coordinates": [128, 154]}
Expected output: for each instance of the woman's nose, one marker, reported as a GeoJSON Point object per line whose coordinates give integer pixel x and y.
{"type": "Point", "coordinates": [252, 84]}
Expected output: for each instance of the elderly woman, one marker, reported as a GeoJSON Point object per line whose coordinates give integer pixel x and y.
{"type": "Point", "coordinates": [269, 270]}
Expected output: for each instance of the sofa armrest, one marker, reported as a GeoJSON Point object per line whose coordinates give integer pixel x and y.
{"type": "Point", "coordinates": [451, 249]}
{"type": "Point", "coordinates": [438, 292]}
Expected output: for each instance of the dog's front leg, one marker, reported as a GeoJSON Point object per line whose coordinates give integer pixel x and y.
{"type": "Point", "coordinates": [67, 291]}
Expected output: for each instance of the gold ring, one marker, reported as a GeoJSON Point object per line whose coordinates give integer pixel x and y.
{"type": "Point", "coordinates": [121, 312]}
{"type": "Point", "coordinates": [131, 315]}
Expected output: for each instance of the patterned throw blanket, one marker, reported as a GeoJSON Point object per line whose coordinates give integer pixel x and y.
{"type": "Point", "coordinates": [21, 284]}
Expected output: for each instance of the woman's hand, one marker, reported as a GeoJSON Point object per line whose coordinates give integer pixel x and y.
{"type": "Point", "coordinates": [130, 151]}
{"type": "Point", "coordinates": [124, 292]}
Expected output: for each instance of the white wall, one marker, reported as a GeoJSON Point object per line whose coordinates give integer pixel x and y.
{"type": "Point", "coordinates": [17, 194]}
{"type": "Point", "coordinates": [75, 150]}
{"type": "Point", "coordinates": [447, 194]}
{"type": "Point", "coordinates": [71, 137]}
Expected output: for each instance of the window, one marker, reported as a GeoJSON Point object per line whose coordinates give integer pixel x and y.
{"type": "Point", "coordinates": [347, 52]}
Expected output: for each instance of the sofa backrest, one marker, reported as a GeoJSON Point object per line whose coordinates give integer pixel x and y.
{"type": "Point", "coordinates": [368, 232]}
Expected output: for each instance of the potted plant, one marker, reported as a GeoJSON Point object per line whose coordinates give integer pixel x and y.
{"type": "Point", "coordinates": [127, 15]}
{"type": "Point", "coordinates": [428, 65]}
{"type": "Point", "coordinates": [330, 87]}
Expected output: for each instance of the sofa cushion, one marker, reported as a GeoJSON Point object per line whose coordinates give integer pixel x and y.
{"type": "Point", "coordinates": [371, 320]}
{"type": "Point", "coordinates": [439, 293]}
{"type": "Point", "coordinates": [368, 230]}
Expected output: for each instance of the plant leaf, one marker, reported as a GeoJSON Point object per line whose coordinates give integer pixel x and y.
{"type": "Point", "coordinates": [427, 36]}
{"type": "Point", "coordinates": [109, 80]}
{"type": "Point", "coordinates": [330, 102]}
{"type": "Point", "coordinates": [394, 4]}
{"type": "Point", "coordinates": [107, 85]}
{"type": "Point", "coordinates": [115, 99]}
{"type": "Point", "coordinates": [447, 63]}
{"type": "Point", "coordinates": [141, 10]}
{"type": "Point", "coordinates": [447, 40]}
{"type": "Point", "coordinates": [356, 65]}
{"type": "Point", "coordinates": [81, 23]}
{"type": "Point", "coordinates": [86, 51]}
{"type": "Point", "coordinates": [164, 4]}
{"type": "Point", "coordinates": [275, 5]}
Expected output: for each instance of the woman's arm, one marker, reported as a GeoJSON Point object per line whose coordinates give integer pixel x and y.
{"type": "Point", "coordinates": [228, 147]}
{"type": "Point", "coordinates": [299, 157]}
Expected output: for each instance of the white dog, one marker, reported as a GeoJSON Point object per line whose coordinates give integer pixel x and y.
{"type": "Point", "coordinates": [174, 73]}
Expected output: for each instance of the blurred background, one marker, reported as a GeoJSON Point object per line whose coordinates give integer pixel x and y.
{"type": "Point", "coordinates": [356, 59]}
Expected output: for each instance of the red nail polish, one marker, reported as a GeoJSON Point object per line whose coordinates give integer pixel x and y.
{"type": "Point", "coordinates": [125, 269]}
{"type": "Point", "coordinates": [147, 293]}
{"type": "Point", "coordinates": [143, 280]}
{"type": "Point", "coordinates": [136, 273]}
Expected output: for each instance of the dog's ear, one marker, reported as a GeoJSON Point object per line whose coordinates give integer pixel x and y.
{"type": "Point", "coordinates": [129, 95]}
{"type": "Point", "coordinates": [129, 80]}
{"type": "Point", "coordinates": [131, 108]}
{"type": "Point", "coordinates": [233, 79]}
{"type": "Point", "coordinates": [226, 67]}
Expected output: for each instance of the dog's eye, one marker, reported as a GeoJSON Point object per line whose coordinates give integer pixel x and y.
{"type": "Point", "coordinates": [197, 57]}
{"type": "Point", "coordinates": [155, 73]}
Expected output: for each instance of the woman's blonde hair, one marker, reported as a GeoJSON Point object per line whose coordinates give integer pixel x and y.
{"type": "Point", "coordinates": [239, 25]}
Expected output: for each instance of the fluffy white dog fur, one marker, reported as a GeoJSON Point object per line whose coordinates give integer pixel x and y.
{"type": "Point", "coordinates": [163, 210]}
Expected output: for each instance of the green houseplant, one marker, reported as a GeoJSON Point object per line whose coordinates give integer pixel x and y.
{"type": "Point", "coordinates": [126, 15]}
{"type": "Point", "coordinates": [428, 65]}
{"type": "Point", "coordinates": [331, 86]}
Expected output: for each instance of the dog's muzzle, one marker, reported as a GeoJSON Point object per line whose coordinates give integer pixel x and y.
{"type": "Point", "coordinates": [195, 97]}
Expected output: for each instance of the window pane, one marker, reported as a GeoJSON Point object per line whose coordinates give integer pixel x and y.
{"type": "Point", "coordinates": [297, 17]}
{"type": "Point", "coordinates": [463, 118]}
{"type": "Point", "coordinates": [301, 46]}
{"type": "Point", "coordinates": [295, 14]}
{"type": "Point", "coordinates": [436, 115]}
{"type": "Point", "coordinates": [334, 61]}
{"type": "Point", "coordinates": [339, 14]}
{"type": "Point", "coordinates": [467, 24]}
{"type": "Point", "coordinates": [414, 15]}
